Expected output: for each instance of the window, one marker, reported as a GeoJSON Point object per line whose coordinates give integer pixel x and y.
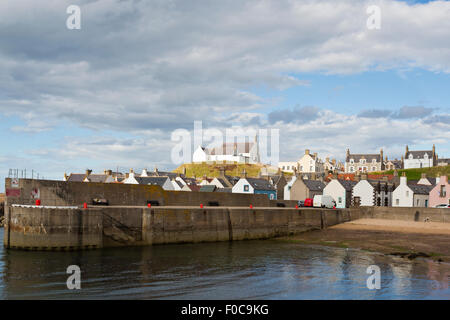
{"type": "Point", "coordinates": [340, 200]}
{"type": "Point", "coordinates": [246, 188]}
{"type": "Point", "coordinates": [374, 168]}
{"type": "Point", "coordinates": [425, 156]}
{"type": "Point", "coordinates": [417, 203]}
{"type": "Point", "coordinates": [397, 201]}
{"type": "Point", "coordinates": [442, 193]}
{"type": "Point", "coordinates": [407, 193]}
{"type": "Point", "coordinates": [272, 196]}
{"type": "Point", "coordinates": [374, 161]}
{"type": "Point", "coordinates": [352, 169]}
{"type": "Point", "coordinates": [283, 167]}
{"type": "Point", "coordinates": [426, 203]}
{"type": "Point", "coordinates": [362, 161]}
{"type": "Point", "coordinates": [351, 161]}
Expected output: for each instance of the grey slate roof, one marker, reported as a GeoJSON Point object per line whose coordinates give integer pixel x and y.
{"type": "Point", "coordinates": [420, 188]}
{"type": "Point", "coordinates": [97, 177]}
{"type": "Point", "coordinates": [348, 184]}
{"type": "Point", "coordinates": [226, 190]}
{"type": "Point", "coordinates": [152, 180]}
{"type": "Point", "coordinates": [207, 188]}
{"type": "Point", "coordinates": [314, 185]}
{"type": "Point", "coordinates": [260, 184]}
{"type": "Point", "coordinates": [76, 177]}
{"type": "Point", "coordinates": [419, 154]}
{"type": "Point", "coordinates": [368, 157]}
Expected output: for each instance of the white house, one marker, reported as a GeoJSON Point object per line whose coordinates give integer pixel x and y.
{"type": "Point", "coordinates": [289, 166]}
{"type": "Point", "coordinates": [287, 188]}
{"type": "Point", "coordinates": [420, 159]}
{"type": "Point", "coordinates": [340, 191]}
{"type": "Point", "coordinates": [240, 152]}
{"type": "Point", "coordinates": [412, 195]}
{"type": "Point", "coordinates": [164, 182]}
{"type": "Point", "coordinates": [255, 186]}
{"type": "Point", "coordinates": [365, 192]}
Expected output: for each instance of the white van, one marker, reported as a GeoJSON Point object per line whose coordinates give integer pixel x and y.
{"type": "Point", "coordinates": [325, 201]}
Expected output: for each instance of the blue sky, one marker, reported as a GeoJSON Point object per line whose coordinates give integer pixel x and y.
{"type": "Point", "coordinates": [110, 95]}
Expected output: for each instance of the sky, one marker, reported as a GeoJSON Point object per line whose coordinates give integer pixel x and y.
{"type": "Point", "coordinates": [112, 93]}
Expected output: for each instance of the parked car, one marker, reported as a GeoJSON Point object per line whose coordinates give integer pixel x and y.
{"type": "Point", "coordinates": [308, 202]}
{"type": "Point", "coordinates": [443, 205]}
{"type": "Point", "coordinates": [324, 201]}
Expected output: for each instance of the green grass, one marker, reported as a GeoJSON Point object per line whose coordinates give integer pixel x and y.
{"type": "Point", "coordinates": [415, 174]}
{"type": "Point", "coordinates": [213, 169]}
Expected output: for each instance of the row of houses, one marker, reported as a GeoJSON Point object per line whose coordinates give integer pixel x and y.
{"type": "Point", "coordinates": [346, 189]}
{"type": "Point", "coordinates": [365, 163]}
{"type": "Point", "coordinates": [271, 185]}
{"type": "Point", "coordinates": [389, 191]}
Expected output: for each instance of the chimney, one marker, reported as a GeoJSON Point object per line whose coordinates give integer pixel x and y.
{"type": "Point", "coordinates": [307, 151]}
{"type": "Point", "coordinates": [403, 179]}
{"type": "Point", "coordinates": [357, 177]}
{"type": "Point", "coordinates": [423, 175]}
{"type": "Point", "coordinates": [222, 172]}
{"type": "Point", "coordinates": [88, 172]}
{"type": "Point", "coordinates": [348, 152]}
{"type": "Point", "coordinates": [144, 173]}
{"type": "Point", "coordinates": [315, 155]}
{"type": "Point", "coordinates": [109, 172]}
{"type": "Point", "coordinates": [313, 176]}
{"type": "Point", "coordinates": [381, 159]}
{"type": "Point", "coordinates": [438, 179]}
{"type": "Point", "coordinates": [244, 174]}
{"type": "Point", "coordinates": [184, 171]}
{"type": "Point", "coordinates": [327, 159]}
{"type": "Point", "coordinates": [156, 171]}
{"type": "Point", "coordinates": [406, 152]}
{"type": "Point", "coordinates": [385, 178]}
{"type": "Point", "coordinates": [364, 177]}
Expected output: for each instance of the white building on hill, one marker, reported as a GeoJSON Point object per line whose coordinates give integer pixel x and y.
{"type": "Point", "coordinates": [240, 152]}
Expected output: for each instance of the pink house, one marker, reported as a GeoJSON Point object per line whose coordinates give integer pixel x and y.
{"type": "Point", "coordinates": [440, 194]}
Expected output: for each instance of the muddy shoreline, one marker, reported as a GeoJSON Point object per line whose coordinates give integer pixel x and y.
{"type": "Point", "coordinates": [409, 240]}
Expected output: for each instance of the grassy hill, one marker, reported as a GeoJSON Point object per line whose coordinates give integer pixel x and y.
{"type": "Point", "coordinates": [213, 169]}
{"type": "Point", "coordinates": [414, 174]}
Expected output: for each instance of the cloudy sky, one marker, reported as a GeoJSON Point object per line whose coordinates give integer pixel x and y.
{"type": "Point", "coordinates": [111, 93]}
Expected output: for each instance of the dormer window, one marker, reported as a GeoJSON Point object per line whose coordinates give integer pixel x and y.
{"type": "Point", "coordinates": [373, 160]}
{"type": "Point", "coordinates": [362, 161]}
{"type": "Point", "coordinates": [425, 156]}
{"type": "Point", "coordinates": [352, 161]}
{"type": "Point", "coordinates": [410, 156]}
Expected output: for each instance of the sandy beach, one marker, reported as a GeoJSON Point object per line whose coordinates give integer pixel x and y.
{"type": "Point", "coordinates": [407, 239]}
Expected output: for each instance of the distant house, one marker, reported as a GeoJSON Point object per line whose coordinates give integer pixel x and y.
{"type": "Point", "coordinates": [364, 162]}
{"type": "Point", "coordinates": [163, 182]}
{"type": "Point", "coordinates": [88, 176]}
{"type": "Point", "coordinates": [440, 194]}
{"type": "Point", "coordinates": [393, 164]}
{"type": "Point", "coordinates": [288, 187]}
{"type": "Point", "coordinates": [410, 195]}
{"type": "Point", "coordinates": [279, 182]}
{"type": "Point", "coordinates": [383, 191]}
{"type": "Point", "coordinates": [424, 180]}
{"type": "Point", "coordinates": [305, 188]}
{"type": "Point", "coordinates": [330, 165]}
{"type": "Point", "coordinates": [443, 162]}
{"type": "Point", "coordinates": [240, 152]}
{"type": "Point", "coordinates": [363, 193]}
{"type": "Point", "coordinates": [340, 191]}
{"type": "Point", "coordinates": [208, 188]}
{"type": "Point", "coordinates": [420, 159]}
{"type": "Point", "coordinates": [255, 186]}
{"type": "Point", "coordinates": [290, 166]}
{"type": "Point", "coordinates": [309, 163]}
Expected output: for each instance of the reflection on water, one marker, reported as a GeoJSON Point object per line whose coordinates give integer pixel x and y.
{"type": "Point", "coordinates": [239, 270]}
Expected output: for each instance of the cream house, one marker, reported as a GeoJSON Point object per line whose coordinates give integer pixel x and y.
{"type": "Point", "coordinates": [310, 163]}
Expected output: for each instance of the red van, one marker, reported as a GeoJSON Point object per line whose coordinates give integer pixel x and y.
{"type": "Point", "coordinates": [308, 202]}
